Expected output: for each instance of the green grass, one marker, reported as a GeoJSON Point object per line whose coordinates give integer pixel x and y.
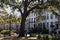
{"type": "Point", "coordinates": [40, 36]}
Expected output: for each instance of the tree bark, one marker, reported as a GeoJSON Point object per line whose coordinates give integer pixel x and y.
{"type": "Point", "coordinates": [24, 16]}
{"type": "Point", "coordinates": [22, 27]}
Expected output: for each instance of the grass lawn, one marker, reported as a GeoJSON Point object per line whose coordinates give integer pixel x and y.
{"type": "Point", "coordinates": [34, 37]}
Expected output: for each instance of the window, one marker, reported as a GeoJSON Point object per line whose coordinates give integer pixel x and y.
{"type": "Point", "coordinates": [40, 0]}
{"type": "Point", "coordinates": [34, 18]}
{"type": "Point", "coordinates": [43, 25]}
{"type": "Point", "coordinates": [55, 16]}
{"type": "Point", "coordinates": [51, 16]}
{"type": "Point", "coordinates": [31, 19]}
{"type": "Point", "coordinates": [47, 24]}
{"type": "Point", "coordinates": [36, 14]}
{"type": "Point", "coordinates": [56, 24]}
{"type": "Point", "coordinates": [52, 24]}
{"type": "Point", "coordinates": [44, 18]}
{"type": "Point", "coordinates": [59, 32]}
{"type": "Point", "coordinates": [47, 16]}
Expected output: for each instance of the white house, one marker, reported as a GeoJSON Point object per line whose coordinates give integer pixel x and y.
{"type": "Point", "coordinates": [31, 21]}
{"type": "Point", "coordinates": [48, 20]}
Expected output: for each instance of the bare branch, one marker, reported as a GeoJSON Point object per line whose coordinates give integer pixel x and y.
{"type": "Point", "coordinates": [20, 10]}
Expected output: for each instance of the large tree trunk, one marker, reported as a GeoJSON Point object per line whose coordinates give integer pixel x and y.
{"type": "Point", "coordinates": [22, 27]}
{"type": "Point", "coordinates": [24, 15]}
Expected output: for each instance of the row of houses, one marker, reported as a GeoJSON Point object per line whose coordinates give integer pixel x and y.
{"type": "Point", "coordinates": [49, 21]}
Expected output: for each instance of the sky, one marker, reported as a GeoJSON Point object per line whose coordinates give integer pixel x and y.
{"type": "Point", "coordinates": [8, 9]}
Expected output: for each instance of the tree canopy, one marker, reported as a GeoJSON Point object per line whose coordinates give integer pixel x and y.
{"type": "Point", "coordinates": [26, 6]}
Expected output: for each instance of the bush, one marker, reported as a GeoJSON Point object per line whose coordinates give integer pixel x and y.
{"type": "Point", "coordinates": [39, 36]}
{"type": "Point", "coordinates": [34, 35]}
{"type": "Point", "coordinates": [5, 32]}
{"type": "Point", "coordinates": [58, 38]}
{"type": "Point", "coordinates": [46, 38]}
{"type": "Point", "coordinates": [1, 30]}
{"type": "Point", "coordinates": [54, 38]}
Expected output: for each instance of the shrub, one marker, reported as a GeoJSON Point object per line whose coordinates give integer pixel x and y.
{"type": "Point", "coordinates": [1, 30]}
{"type": "Point", "coordinates": [58, 38]}
{"type": "Point", "coordinates": [46, 38]}
{"type": "Point", "coordinates": [33, 35]}
{"type": "Point", "coordinates": [39, 36]}
{"type": "Point", "coordinates": [5, 32]}
{"type": "Point", "coordinates": [54, 38]}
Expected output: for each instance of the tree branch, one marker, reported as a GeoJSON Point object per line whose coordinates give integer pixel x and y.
{"type": "Point", "coordinates": [29, 2]}
{"type": "Point", "coordinates": [28, 12]}
{"type": "Point", "coordinates": [55, 13]}
{"type": "Point", "coordinates": [20, 10]}
{"type": "Point", "coordinates": [15, 6]}
{"type": "Point", "coordinates": [32, 8]}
